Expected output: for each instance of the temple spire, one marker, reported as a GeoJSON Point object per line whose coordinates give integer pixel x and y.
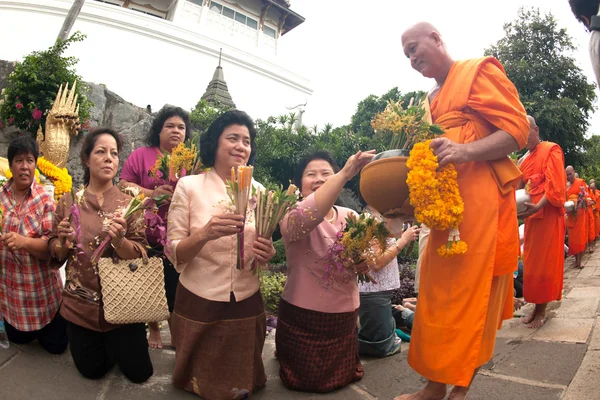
{"type": "Point", "coordinates": [217, 93]}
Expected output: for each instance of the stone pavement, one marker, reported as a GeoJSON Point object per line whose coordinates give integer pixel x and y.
{"type": "Point", "coordinates": [561, 360]}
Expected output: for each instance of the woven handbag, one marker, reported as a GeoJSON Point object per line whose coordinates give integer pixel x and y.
{"type": "Point", "coordinates": [133, 291]}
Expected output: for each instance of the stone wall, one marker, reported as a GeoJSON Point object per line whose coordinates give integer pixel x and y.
{"type": "Point", "coordinates": [109, 110]}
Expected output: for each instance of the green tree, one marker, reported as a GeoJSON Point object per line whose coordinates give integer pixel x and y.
{"type": "Point", "coordinates": [537, 57]}
{"type": "Point", "coordinates": [32, 86]}
{"type": "Point", "coordinates": [204, 114]}
{"type": "Point", "coordinates": [590, 169]}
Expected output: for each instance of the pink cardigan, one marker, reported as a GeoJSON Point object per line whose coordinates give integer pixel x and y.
{"type": "Point", "coordinates": [307, 236]}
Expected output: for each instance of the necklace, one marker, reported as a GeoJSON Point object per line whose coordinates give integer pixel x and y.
{"type": "Point", "coordinates": [332, 217]}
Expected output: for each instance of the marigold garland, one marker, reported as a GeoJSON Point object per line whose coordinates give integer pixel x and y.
{"type": "Point", "coordinates": [8, 174]}
{"type": "Point", "coordinates": [435, 196]}
{"type": "Point", "coordinates": [59, 176]}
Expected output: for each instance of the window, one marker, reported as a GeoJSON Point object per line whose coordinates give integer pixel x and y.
{"type": "Point", "coordinates": [270, 32]}
{"type": "Point", "coordinates": [196, 2]}
{"type": "Point", "coordinates": [229, 13]}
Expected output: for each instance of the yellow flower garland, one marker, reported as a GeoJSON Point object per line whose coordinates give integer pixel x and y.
{"type": "Point", "coordinates": [59, 176]}
{"type": "Point", "coordinates": [435, 196]}
{"type": "Point", "coordinates": [8, 174]}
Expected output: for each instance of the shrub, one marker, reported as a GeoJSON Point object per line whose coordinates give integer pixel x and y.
{"type": "Point", "coordinates": [407, 283]}
{"type": "Point", "coordinates": [271, 287]}
{"type": "Point", "coordinates": [31, 88]}
{"type": "Point", "coordinates": [279, 257]}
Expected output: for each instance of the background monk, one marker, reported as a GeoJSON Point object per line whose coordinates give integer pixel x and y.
{"type": "Point", "coordinates": [463, 299]}
{"type": "Point", "coordinates": [591, 230]}
{"type": "Point", "coordinates": [576, 220]}
{"type": "Point", "coordinates": [596, 196]}
{"type": "Point", "coordinates": [543, 251]}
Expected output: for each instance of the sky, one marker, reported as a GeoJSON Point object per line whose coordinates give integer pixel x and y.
{"type": "Point", "coordinates": [350, 49]}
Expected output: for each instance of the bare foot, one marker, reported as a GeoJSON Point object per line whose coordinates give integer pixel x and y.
{"type": "Point", "coordinates": [458, 393]}
{"type": "Point", "coordinates": [434, 391]}
{"type": "Point", "coordinates": [154, 339]}
{"type": "Point", "coordinates": [537, 322]}
{"type": "Point", "coordinates": [528, 318]}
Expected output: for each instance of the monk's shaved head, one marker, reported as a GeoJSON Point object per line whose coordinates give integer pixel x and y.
{"type": "Point", "coordinates": [534, 134]}
{"type": "Point", "coordinates": [570, 173]}
{"type": "Point", "coordinates": [423, 45]}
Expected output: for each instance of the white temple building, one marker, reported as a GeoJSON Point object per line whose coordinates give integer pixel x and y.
{"type": "Point", "coordinates": [152, 52]}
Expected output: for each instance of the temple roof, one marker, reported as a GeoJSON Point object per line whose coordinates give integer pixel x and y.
{"type": "Point", "coordinates": [291, 18]}
{"type": "Point", "coordinates": [217, 93]}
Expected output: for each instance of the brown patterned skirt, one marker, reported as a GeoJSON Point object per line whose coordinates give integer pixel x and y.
{"type": "Point", "coordinates": [219, 345]}
{"type": "Point", "coordinates": [318, 352]}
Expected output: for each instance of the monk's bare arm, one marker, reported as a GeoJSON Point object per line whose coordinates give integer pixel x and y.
{"type": "Point", "coordinates": [492, 147]}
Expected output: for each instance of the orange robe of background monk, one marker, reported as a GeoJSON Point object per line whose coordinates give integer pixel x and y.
{"type": "Point", "coordinates": [463, 300]}
{"type": "Point", "coordinates": [591, 220]}
{"type": "Point", "coordinates": [577, 221]}
{"type": "Point", "coordinates": [543, 253]}
{"type": "Point", "coordinates": [596, 198]}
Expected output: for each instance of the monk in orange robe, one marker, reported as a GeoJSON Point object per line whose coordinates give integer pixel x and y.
{"type": "Point", "coordinates": [463, 299]}
{"type": "Point", "coordinates": [596, 197]}
{"type": "Point", "coordinates": [543, 250]}
{"type": "Point", "coordinates": [577, 219]}
{"type": "Point", "coordinates": [591, 203]}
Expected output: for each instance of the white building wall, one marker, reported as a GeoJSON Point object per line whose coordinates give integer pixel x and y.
{"type": "Point", "coordinates": [147, 60]}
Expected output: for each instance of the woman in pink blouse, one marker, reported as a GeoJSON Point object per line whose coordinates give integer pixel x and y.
{"type": "Point", "coordinates": [219, 321]}
{"type": "Point", "coordinates": [317, 337]}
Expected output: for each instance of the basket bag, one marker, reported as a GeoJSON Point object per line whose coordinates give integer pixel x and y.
{"type": "Point", "coordinates": [133, 291]}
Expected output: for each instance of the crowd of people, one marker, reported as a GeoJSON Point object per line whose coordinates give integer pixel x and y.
{"type": "Point", "coordinates": [217, 316]}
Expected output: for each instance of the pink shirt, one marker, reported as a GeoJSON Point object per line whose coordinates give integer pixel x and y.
{"type": "Point", "coordinates": [212, 274]}
{"type": "Point", "coordinates": [307, 236]}
{"type": "Point", "coordinates": [135, 170]}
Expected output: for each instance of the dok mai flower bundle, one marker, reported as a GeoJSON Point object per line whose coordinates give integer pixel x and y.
{"type": "Point", "coordinates": [239, 189]}
{"type": "Point", "coordinates": [139, 202]}
{"type": "Point", "coordinates": [433, 191]}
{"type": "Point", "coordinates": [183, 160]}
{"type": "Point", "coordinates": [363, 240]}
{"type": "Point", "coordinates": [271, 206]}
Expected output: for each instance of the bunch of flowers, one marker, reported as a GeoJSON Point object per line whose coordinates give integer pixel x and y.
{"type": "Point", "coordinates": [238, 189]}
{"type": "Point", "coordinates": [139, 202]}
{"type": "Point", "coordinates": [408, 126]}
{"type": "Point", "coordinates": [271, 206]}
{"type": "Point", "coordinates": [63, 183]}
{"type": "Point", "coordinates": [435, 196]}
{"type": "Point", "coordinates": [363, 240]}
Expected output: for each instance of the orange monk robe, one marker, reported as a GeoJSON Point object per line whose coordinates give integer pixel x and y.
{"type": "Point", "coordinates": [590, 215]}
{"type": "Point", "coordinates": [577, 221]}
{"type": "Point", "coordinates": [596, 198]}
{"type": "Point", "coordinates": [463, 299]}
{"type": "Point", "coordinates": [544, 254]}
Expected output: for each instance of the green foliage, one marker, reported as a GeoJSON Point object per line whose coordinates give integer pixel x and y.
{"type": "Point", "coordinates": [537, 57]}
{"type": "Point", "coordinates": [204, 114]}
{"type": "Point", "coordinates": [33, 85]}
{"type": "Point", "coordinates": [590, 168]}
{"type": "Point", "coordinates": [271, 287]}
{"type": "Point", "coordinates": [279, 257]}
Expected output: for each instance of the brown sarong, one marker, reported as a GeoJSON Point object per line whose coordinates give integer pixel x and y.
{"type": "Point", "coordinates": [219, 345]}
{"type": "Point", "coordinates": [317, 352]}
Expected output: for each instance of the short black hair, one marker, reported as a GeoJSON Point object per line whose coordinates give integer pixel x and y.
{"type": "Point", "coordinates": [584, 8]}
{"type": "Point", "coordinates": [317, 155]}
{"type": "Point", "coordinates": [153, 136]}
{"type": "Point", "coordinates": [89, 141]}
{"type": "Point", "coordinates": [22, 144]}
{"type": "Point", "coordinates": [209, 140]}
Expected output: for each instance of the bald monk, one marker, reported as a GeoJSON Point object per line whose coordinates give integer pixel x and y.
{"type": "Point", "coordinates": [463, 299]}
{"type": "Point", "coordinates": [576, 220]}
{"type": "Point", "coordinates": [543, 250]}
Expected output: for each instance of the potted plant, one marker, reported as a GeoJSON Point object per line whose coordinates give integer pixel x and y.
{"type": "Point", "coordinates": [383, 181]}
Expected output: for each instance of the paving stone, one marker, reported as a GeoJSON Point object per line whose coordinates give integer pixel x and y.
{"type": "Point", "coordinates": [7, 354]}
{"type": "Point", "coordinates": [502, 350]}
{"type": "Point", "coordinates": [585, 383]}
{"type": "Point", "coordinates": [36, 350]}
{"type": "Point", "coordinates": [491, 388]}
{"type": "Point", "coordinates": [514, 329]}
{"type": "Point", "coordinates": [578, 307]}
{"type": "Point", "coordinates": [532, 358]}
{"type": "Point", "coordinates": [276, 390]}
{"type": "Point", "coordinates": [586, 272]}
{"type": "Point", "coordinates": [565, 330]}
{"type": "Point", "coordinates": [595, 339]}
{"type": "Point", "coordinates": [26, 378]}
{"type": "Point", "coordinates": [589, 291]}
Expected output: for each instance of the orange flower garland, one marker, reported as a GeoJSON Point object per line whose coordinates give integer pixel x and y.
{"type": "Point", "coordinates": [435, 196]}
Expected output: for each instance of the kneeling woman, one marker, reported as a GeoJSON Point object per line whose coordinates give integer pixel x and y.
{"type": "Point", "coordinates": [219, 321]}
{"type": "Point", "coordinates": [317, 336]}
{"type": "Point", "coordinates": [96, 345]}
